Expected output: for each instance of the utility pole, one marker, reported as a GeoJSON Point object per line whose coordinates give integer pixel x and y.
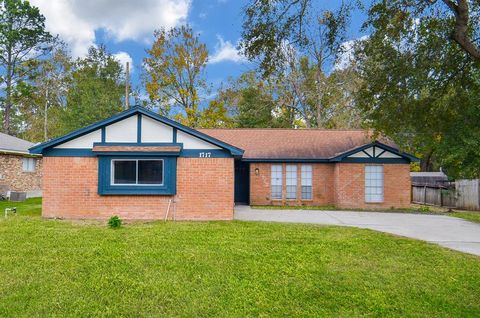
{"type": "Point", "coordinates": [127, 82]}
{"type": "Point", "coordinates": [45, 123]}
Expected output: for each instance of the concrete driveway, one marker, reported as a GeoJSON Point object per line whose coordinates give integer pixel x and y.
{"type": "Point", "coordinates": [446, 231]}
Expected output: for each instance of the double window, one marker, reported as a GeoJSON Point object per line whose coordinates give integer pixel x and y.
{"type": "Point", "coordinates": [291, 182]}
{"type": "Point", "coordinates": [137, 172]}
{"type": "Point", "coordinates": [373, 184]}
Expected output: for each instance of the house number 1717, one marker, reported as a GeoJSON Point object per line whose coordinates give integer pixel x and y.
{"type": "Point", "coordinates": [205, 154]}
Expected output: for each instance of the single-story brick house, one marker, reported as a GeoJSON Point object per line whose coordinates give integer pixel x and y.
{"type": "Point", "coordinates": [19, 170]}
{"type": "Point", "coordinates": [139, 165]}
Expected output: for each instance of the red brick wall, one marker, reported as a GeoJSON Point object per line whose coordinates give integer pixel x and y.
{"type": "Point", "coordinates": [350, 186]}
{"type": "Point", "coordinates": [322, 185]}
{"type": "Point", "coordinates": [204, 191]}
{"type": "Point", "coordinates": [340, 184]}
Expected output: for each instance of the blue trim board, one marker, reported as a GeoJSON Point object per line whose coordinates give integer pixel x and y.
{"type": "Point", "coordinates": [187, 153]}
{"type": "Point", "coordinates": [205, 153]}
{"type": "Point", "coordinates": [145, 144]}
{"type": "Point", "coordinates": [104, 134]}
{"type": "Point", "coordinates": [139, 128]}
{"type": "Point", "coordinates": [174, 132]}
{"type": "Point", "coordinates": [137, 110]}
{"type": "Point", "coordinates": [169, 186]}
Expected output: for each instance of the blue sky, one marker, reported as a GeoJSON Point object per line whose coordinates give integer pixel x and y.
{"type": "Point", "coordinates": [126, 28]}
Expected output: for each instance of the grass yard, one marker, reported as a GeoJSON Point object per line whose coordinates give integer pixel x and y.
{"type": "Point", "coordinates": [227, 269]}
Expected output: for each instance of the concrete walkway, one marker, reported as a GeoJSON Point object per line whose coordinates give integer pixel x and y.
{"type": "Point", "coordinates": [446, 231]}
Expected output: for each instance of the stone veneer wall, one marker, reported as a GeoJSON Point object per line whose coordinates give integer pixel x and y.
{"type": "Point", "coordinates": [13, 176]}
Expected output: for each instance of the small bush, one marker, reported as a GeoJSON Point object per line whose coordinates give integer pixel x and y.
{"type": "Point", "coordinates": [115, 222]}
{"type": "Point", "coordinates": [424, 209]}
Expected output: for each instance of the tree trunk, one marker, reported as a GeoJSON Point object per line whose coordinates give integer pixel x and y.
{"type": "Point", "coordinates": [319, 96]}
{"type": "Point", "coordinates": [8, 97]}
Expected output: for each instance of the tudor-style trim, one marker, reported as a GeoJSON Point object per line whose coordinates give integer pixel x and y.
{"type": "Point", "coordinates": [104, 134]}
{"type": "Point", "coordinates": [139, 128]}
{"type": "Point", "coordinates": [174, 134]}
{"type": "Point", "coordinates": [38, 149]}
{"type": "Point", "coordinates": [343, 156]}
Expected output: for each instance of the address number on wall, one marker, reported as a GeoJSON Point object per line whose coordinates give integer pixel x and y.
{"type": "Point", "coordinates": [205, 154]}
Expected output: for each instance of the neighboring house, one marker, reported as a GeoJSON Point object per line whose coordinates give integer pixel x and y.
{"type": "Point", "coordinates": [139, 165]}
{"type": "Point", "coordinates": [19, 170]}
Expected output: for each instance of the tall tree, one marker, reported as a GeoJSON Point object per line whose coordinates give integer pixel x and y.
{"type": "Point", "coordinates": [41, 105]}
{"type": "Point", "coordinates": [22, 38]}
{"type": "Point", "coordinates": [96, 91]}
{"type": "Point", "coordinates": [420, 89]}
{"type": "Point", "coordinates": [290, 36]}
{"type": "Point", "coordinates": [174, 72]}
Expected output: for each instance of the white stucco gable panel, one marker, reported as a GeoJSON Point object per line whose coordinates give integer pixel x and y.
{"type": "Point", "coordinates": [191, 142]}
{"type": "Point", "coordinates": [155, 131]}
{"type": "Point", "coordinates": [122, 131]}
{"type": "Point", "coordinates": [82, 142]}
{"type": "Point", "coordinates": [388, 154]}
{"type": "Point", "coordinates": [359, 154]}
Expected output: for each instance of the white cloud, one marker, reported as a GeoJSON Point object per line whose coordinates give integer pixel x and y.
{"type": "Point", "coordinates": [75, 21]}
{"type": "Point", "coordinates": [347, 56]}
{"type": "Point", "coordinates": [123, 58]}
{"type": "Point", "coordinates": [226, 51]}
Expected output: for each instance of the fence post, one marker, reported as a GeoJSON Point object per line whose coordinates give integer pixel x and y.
{"type": "Point", "coordinates": [424, 194]}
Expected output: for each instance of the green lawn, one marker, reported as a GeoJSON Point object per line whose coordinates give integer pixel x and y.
{"type": "Point", "coordinates": [227, 269]}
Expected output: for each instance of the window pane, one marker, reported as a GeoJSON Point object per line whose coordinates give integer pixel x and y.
{"type": "Point", "coordinates": [291, 180]}
{"type": "Point", "coordinates": [150, 172]}
{"type": "Point", "coordinates": [306, 182]}
{"type": "Point", "coordinates": [374, 183]}
{"type": "Point", "coordinates": [124, 172]}
{"type": "Point", "coordinates": [28, 164]}
{"type": "Point", "coordinates": [276, 181]}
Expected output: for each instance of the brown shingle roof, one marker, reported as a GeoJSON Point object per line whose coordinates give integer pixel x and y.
{"type": "Point", "coordinates": [293, 143]}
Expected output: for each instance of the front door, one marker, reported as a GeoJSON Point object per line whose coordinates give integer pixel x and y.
{"type": "Point", "coordinates": [242, 182]}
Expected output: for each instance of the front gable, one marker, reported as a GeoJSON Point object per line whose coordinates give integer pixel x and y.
{"type": "Point", "coordinates": [375, 152]}
{"type": "Point", "coordinates": [136, 127]}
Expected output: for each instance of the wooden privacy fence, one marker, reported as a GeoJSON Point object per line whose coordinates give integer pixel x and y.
{"type": "Point", "coordinates": [462, 194]}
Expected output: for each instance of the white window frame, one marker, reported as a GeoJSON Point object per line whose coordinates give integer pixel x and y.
{"type": "Point", "coordinates": [291, 181]}
{"type": "Point", "coordinates": [136, 184]}
{"type": "Point", "coordinates": [307, 182]}
{"type": "Point", "coordinates": [280, 183]}
{"type": "Point", "coordinates": [374, 181]}
{"type": "Point", "coordinates": [29, 163]}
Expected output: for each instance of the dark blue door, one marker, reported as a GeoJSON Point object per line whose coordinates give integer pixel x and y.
{"type": "Point", "coordinates": [242, 182]}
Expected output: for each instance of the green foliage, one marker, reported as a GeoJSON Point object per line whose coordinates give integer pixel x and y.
{"type": "Point", "coordinates": [174, 73]}
{"type": "Point", "coordinates": [114, 222]}
{"type": "Point", "coordinates": [244, 269]}
{"type": "Point", "coordinates": [22, 38]}
{"type": "Point", "coordinates": [424, 208]}
{"type": "Point", "coordinates": [420, 89]}
{"type": "Point", "coordinates": [96, 91]}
